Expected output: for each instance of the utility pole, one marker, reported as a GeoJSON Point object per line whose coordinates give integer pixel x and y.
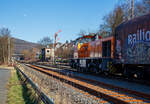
{"type": "Point", "coordinates": [130, 13]}
{"type": "Point", "coordinates": [53, 52]}
{"type": "Point", "coordinates": [128, 10]}
{"type": "Point", "coordinates": [8, 50]}
{"type": "Point", "coordinates": [132, 9]}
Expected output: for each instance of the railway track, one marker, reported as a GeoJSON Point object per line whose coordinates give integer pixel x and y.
{"type": "Point", "coordinates": [118, 77]}
{"type": "Point", "coordinates": [108, 92]}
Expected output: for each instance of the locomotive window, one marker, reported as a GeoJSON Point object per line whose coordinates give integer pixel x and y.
{"type": "Point", "coordinates": [85, 40]}
{"type": "Point", "coordinates": [106, 49]}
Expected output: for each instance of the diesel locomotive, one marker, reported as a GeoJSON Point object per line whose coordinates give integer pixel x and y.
{"type": "Point", "coordinates": [127, 51]}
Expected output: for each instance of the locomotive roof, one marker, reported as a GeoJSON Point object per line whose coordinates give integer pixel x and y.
{"type": "Point", "coordinates": [85, 36]}
{"type": "Point", "coordinates": [88, 36]}
{"type": "Point", "coordinates": [133, 21]}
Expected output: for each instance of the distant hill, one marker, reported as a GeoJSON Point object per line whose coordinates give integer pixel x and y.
{"type": "Point", "coordinates": [20, 45]}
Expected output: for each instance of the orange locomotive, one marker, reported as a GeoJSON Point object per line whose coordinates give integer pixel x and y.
{"type": "Point", "coordinates": [96, 48]}
{"type": "Point", "coordinates": [93, 53]}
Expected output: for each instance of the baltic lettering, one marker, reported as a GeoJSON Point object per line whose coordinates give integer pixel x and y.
{"type": "Point", "coordinates": [140, 36]}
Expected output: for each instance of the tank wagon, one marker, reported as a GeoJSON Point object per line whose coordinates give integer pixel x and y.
{"type": "Point", "coordinates": [127, 51]}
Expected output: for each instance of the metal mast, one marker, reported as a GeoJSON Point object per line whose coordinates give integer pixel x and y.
{"type": "Point", "coordinates": [132, 9]}
{"type": "Point", "coordinates": [128, 10]}
{"type": "Point", "coordinates": [54, 45]}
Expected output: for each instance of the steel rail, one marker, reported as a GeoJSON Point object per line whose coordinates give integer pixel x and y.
{"type": "Point", "coordinates": [117, 88]}
{"type": "Point", "coordinates": [83, 86]}
{"type": "Point", "coordinates": [140, 94]}
{"type": "Point", "coordinates": [80, 86]}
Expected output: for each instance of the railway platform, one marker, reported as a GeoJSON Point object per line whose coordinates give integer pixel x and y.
{"type": "Point", "coordinates": [4, 77]}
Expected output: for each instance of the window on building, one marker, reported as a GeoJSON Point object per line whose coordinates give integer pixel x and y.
{"type": "Point", "coordinates": [47, 51]}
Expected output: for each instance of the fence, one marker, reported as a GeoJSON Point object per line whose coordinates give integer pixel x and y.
{"type": "Point", "coordinates": [41, 96]}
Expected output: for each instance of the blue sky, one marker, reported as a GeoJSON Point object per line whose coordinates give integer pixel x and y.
{"type": "Point", "coordinates": [31, 20]}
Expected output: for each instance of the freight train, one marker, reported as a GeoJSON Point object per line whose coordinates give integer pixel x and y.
{"type": "Point", "coordinates": [127, 51]}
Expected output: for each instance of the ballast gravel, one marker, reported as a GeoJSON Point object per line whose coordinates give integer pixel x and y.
{"type": "Point", "coordinates": [59, 91]}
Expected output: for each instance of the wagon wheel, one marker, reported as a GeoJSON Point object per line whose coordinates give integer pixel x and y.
{"type": "Point", "coordinates": [138, 74]}
{"type": "Point", "coordinates": [127, 73]}
{"type": "Point", "coordinates": [78, 69]}
{"type": "Point", "coordinates": [96, 70]}
{"type": "Point", "coordinates": [106, 73]}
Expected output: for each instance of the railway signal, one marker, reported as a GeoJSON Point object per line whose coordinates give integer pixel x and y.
{"type": "Point", "coordinates": [54, 45]}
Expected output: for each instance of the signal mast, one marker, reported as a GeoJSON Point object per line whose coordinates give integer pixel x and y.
{"type": "Point", "coordinates": [54, 45]}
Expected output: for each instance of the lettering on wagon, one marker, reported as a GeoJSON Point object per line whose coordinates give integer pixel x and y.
{"type": "Point", "coordinates": [140, 36]}
{"type": "Point", "coordinates": [138, 50]}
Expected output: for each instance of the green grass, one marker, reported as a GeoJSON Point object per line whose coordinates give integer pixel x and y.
{"type": "Point", "coordinates": [19, 93]}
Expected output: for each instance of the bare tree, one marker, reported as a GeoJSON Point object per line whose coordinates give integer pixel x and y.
{"type": "Point", "coordinates": [82, 32]}
{"type": "Point", "coordinates": [45, 41]}
{"type": "Point", "coordinates": [29, 54]}
{"type": "Point", "coordinates": [121, 13]}
{"type": "Point", "coordinates": [65, 51]}
{"type": "Point", "coordinates": [6, 45]}
{"type": "Point", "coordinates": [111, 21]}
{"type": "Point", "coordinates": [142, 7]}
